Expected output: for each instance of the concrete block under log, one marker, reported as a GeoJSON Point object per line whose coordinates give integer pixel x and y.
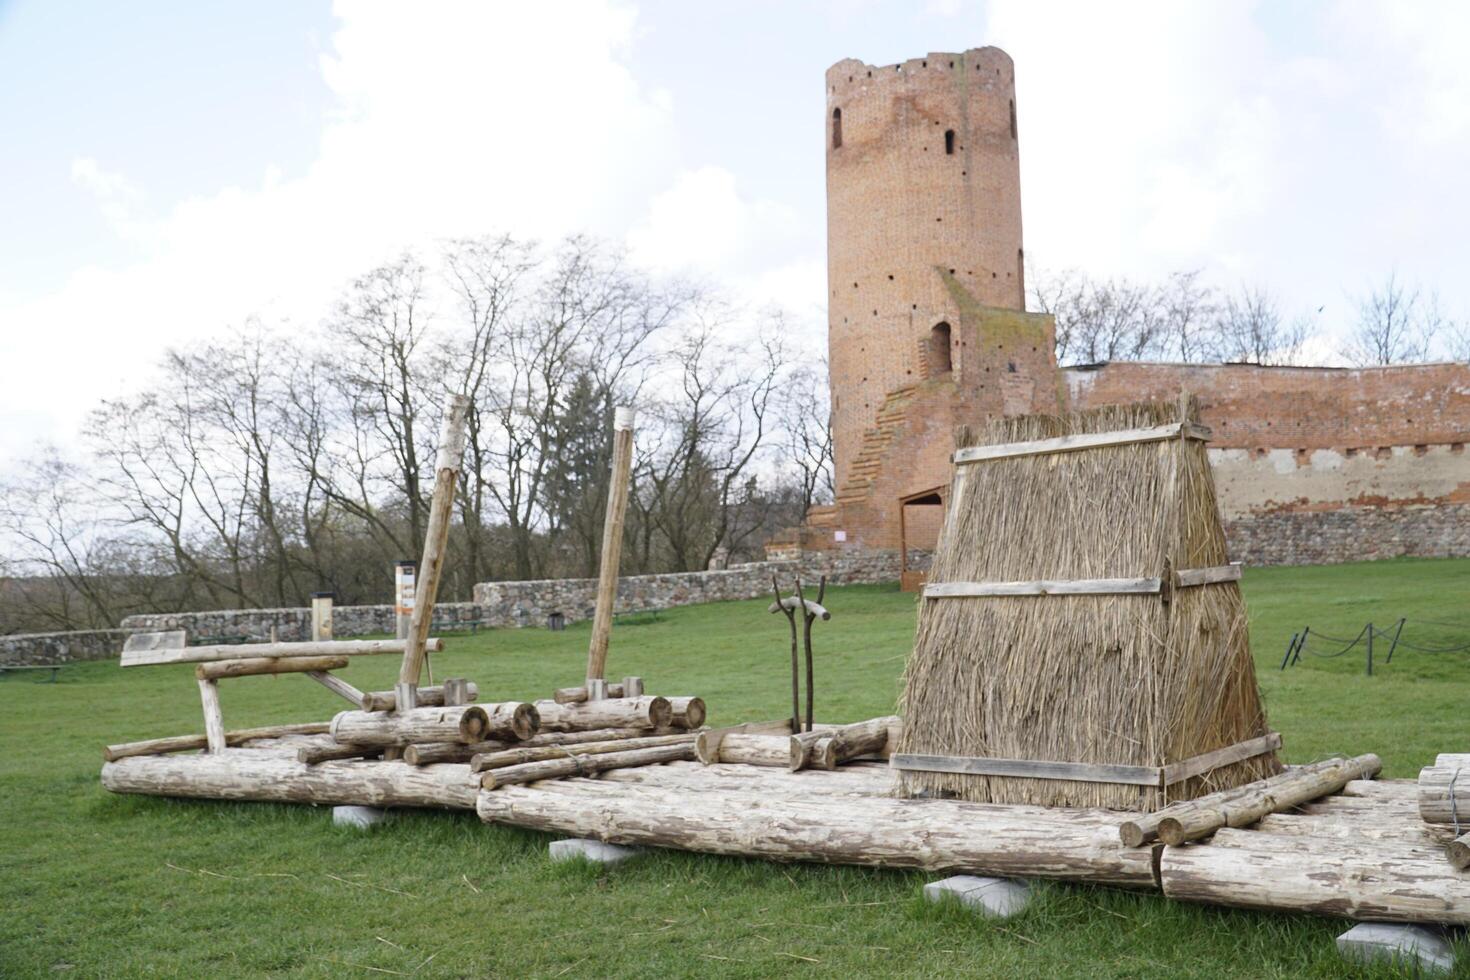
{"type": "Point", "coordinates": [594, 851]}
{"type": "Point", "coordinates": [1423, 950]}
{"type": "Point", "coordinates": [996, 898]}
{"type": "Point", "coordinates": [358, 817]}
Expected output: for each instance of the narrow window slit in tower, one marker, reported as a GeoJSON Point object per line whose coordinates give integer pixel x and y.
{"type": "Point", "coordinates": [836, 128]}
{"type": "Point", "coordinates": [939, 354]}
{"type": "Point", "coordinates": [949, 142]}
{"type": "Point", "coordinates": [1013, 119]}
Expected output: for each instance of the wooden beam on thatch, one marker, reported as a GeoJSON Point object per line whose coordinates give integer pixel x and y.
{"type": "Point", "coordinates": [1187, 577]}
{"type": "Point", "coordinates": [1083, 586]}
{"type": "Point", "coordinates": [1183, 579]}
{"type": "Point", "coordinates": [1091, 772]}
{"type": "Point", "coordinates": [1088, 440]}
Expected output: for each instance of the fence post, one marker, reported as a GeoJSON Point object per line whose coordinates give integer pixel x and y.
{"type": "Point", "coordinates": [403, 588]}
{"type": "Point", "coordinates": [1290, 648]}
{"type": "Point", "coordinates": [1396, 634]}
{"type": "Point", "coordinates": [1370, 649]}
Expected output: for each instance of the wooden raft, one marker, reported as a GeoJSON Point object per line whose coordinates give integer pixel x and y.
{"type": "Point", "coordinates": [1361, 854]}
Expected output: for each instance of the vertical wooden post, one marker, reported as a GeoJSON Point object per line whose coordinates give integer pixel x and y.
{"type": "Point", "coordinates": [612, 545]}
{"type": "Point", "coordinates": [632, 687]}
{"type": "Point", "coordinates": [403, 589]}
{"type": "Point", "coordinates": [214, 719]}
{"type": "Point", "coordinates": [446, 478]}
{"type": "Point", "coordinates": [321, 615]}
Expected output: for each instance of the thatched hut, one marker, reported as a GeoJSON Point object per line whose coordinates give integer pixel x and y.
{"type": "Point", "coordinates": [1082, 640]}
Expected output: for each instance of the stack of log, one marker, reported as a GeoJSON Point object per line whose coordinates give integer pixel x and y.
{"type": "Point", "coordinates": [1244, 805]}
{"type": "Point", "coordinates": [1444, 798]}
{"type": "Point", "coordinates": [773, 744]}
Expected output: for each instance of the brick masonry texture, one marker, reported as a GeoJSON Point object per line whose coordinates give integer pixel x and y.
{"type": "Point", "coordinates": [920, 237]}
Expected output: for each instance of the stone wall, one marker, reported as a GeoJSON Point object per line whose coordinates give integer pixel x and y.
{"type": "Point", "coordinates": [35, 649]}
{"type": "Point", "coordinates": [1317, 537]}
{"type": "Point", "coordinates": [529, 603]}
{"type": "Point", "coordinates": [254, 625]}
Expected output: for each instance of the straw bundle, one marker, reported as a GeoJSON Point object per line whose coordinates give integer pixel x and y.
{"type": "Point", "coordinates": [1109, 679]}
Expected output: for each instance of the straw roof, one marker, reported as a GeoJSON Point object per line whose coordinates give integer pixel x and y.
{"type": "Point", "coordinates": [1119, 679]}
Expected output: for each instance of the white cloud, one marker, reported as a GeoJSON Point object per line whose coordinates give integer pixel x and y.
{"type": "Point", "coordinates": [450, 120]}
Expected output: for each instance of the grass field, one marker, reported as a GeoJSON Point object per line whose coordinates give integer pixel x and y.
{"type": "Point", "coordinates": [99, 885]}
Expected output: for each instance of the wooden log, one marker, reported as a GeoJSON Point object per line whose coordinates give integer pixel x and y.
{"type": "Point", "coordinates": [576, 695]}
{"type": "Point", "coordinates": [1145, 827]}
{"type": "Point", "coordinates": [426, 753]}
{"type": "Point", "coordinates": [1453, 759]}
{"type": "Point", "coordinates": [1458, 851]}
{"type": "Point", "coordinates": [308, 648]}
{"type": "Point", "coordinates": [429, 697]}
{"type": "Point", "coordinates": [251, 666]}
{"type": "Point", "coordinates": [645, 712]}
{"type": "Point", "coordinates": [1405, 790]}
{"type": "Point", "coordinates": [214, 721]}
{"type": "Point", "coordinates": [436, 540]}
{"type": "Point", "coordinates": [936, 835]}
{"type": "Point", "coordinates": [697, 778]}
{"type": "Point", "coordinates": [843, 743]}
{"type": "Point", "coordinates": [1444, 794]}
{"type": "Point", "coordinates": [321, 615]}
{"type": "Point", "coordinates": [1191, 822]}
{"type": "Point", "coordinates": [313, 754]}
{"type": "Point", "coordinates": [582, 765]}
{"type": "Point", "coordinates": [739, 748]}
{"type": "Point", "coordinates": [688, 712]}
{"type": "Point", "coordinates": [632, 687]}
{"type": "Point", "coordinates": [612, 542]}
{"type": "Point", "coordinates": [467, 723]}
{"type": "Point", "coordinates": [1375, 881]}
{"type": "Point", "coordinates": [191, 743]}
{"type": "Point", "coordinates": [519, 755]}
{"type": "Point", "coordinates": [237, 775]}
{"type": "Point", "coordinates": [337, 686]}
{"type": "Point", "coordinates": [455, 691]}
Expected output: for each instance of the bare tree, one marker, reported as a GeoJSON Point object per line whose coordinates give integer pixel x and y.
{"type": "Point", "coordinates": [1396, 325]}
{"type": "Point", "coordinates": [1186, 306]}
{"type": "Point", "coordinates": [805, 411]}
{"type": "Point", "coordinates": [1249, 327]}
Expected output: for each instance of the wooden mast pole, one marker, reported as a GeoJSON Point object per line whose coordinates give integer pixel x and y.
{"type": "Point", "coordinates": [431, 566]}
{"type": "Point", "coordinates": [612, 548]}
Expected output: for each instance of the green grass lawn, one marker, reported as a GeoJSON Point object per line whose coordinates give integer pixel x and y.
{"type": "Point", "coordinates": [93, 884]}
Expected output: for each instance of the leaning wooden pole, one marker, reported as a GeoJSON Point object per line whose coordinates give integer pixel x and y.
{"type": "Point", "coordinates": [431, 566]}
{"type": "Point", "coordinates": [612, 544]}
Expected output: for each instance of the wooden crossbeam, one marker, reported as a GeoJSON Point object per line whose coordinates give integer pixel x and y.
{"type": "Point", "coordinates": [1183, 579]}
{"type": "Point", "coordinates": [1091, 772]}
{"type": "Point", "coordinates": [1074, 443]}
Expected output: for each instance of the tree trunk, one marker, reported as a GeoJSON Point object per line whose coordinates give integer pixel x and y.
{"type": "Point", "coordinates": [266, 665]}
{"type": "Point", "coordinates": [518, 755]}
{"type": "Point", "coordinates": [1444, 794]}
{"type": "Point", "coordinates": [647, 712]}
{"type": "Point", "coordinates": [842, 743]}
{"type": "Point", "coordinates": [430, 752]}
{"type": "Point", "coordinates": [188, 743]}
{"type": "Point", "coordinates": [1376, 880]}
{"type": "Point", "coordinates": [937, 835]}
{"type": "Point", "coordinates": [281, 778]}
{"type": "Point", "coordinates": [470, 723]}
{"type": "Point", "coordinates": [313, 754]}
{"type": "Point", "coordinates": [742, 749]}
{"type": "Point", "coordinates": [1458, 852]}
{"type": "Point", "coordinates": [576, 695]}
{"type": "Point", "coordinates": [688, 712]}
{"type": "Point", "coordinates": [581, 765]}
{"type": "Point", "coordinates": [429, 697]}
{"type": "Point", "coordinates": [1192, 821]}
{"type": "Point", "coordinates": [1145, 827]}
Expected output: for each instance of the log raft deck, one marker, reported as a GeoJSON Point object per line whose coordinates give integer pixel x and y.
{"type": "Point", "coordinates": [1361, 854]}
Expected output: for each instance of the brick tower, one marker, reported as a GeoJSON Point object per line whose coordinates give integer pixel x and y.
{"type": "Point", "coordinates": [926, 296]}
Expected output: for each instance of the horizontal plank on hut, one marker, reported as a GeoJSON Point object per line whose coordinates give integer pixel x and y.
{"type": "Point", "coordinates": [1087, 440]}
{"type": "Point", "coordinates": [1185, 578]}
{"type": "Point", "coordinates": [1091, 772]}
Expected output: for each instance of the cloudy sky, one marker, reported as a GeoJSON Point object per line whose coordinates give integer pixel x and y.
{"type": "Point", "coordinates": [168, 169]}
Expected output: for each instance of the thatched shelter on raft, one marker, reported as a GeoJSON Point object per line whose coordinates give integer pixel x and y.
{"type": "Point", "coordinates": [1082, 640]}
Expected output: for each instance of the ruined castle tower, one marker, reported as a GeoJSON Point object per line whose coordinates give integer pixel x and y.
{"type": "Point", "coordinates": [923, 253]}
